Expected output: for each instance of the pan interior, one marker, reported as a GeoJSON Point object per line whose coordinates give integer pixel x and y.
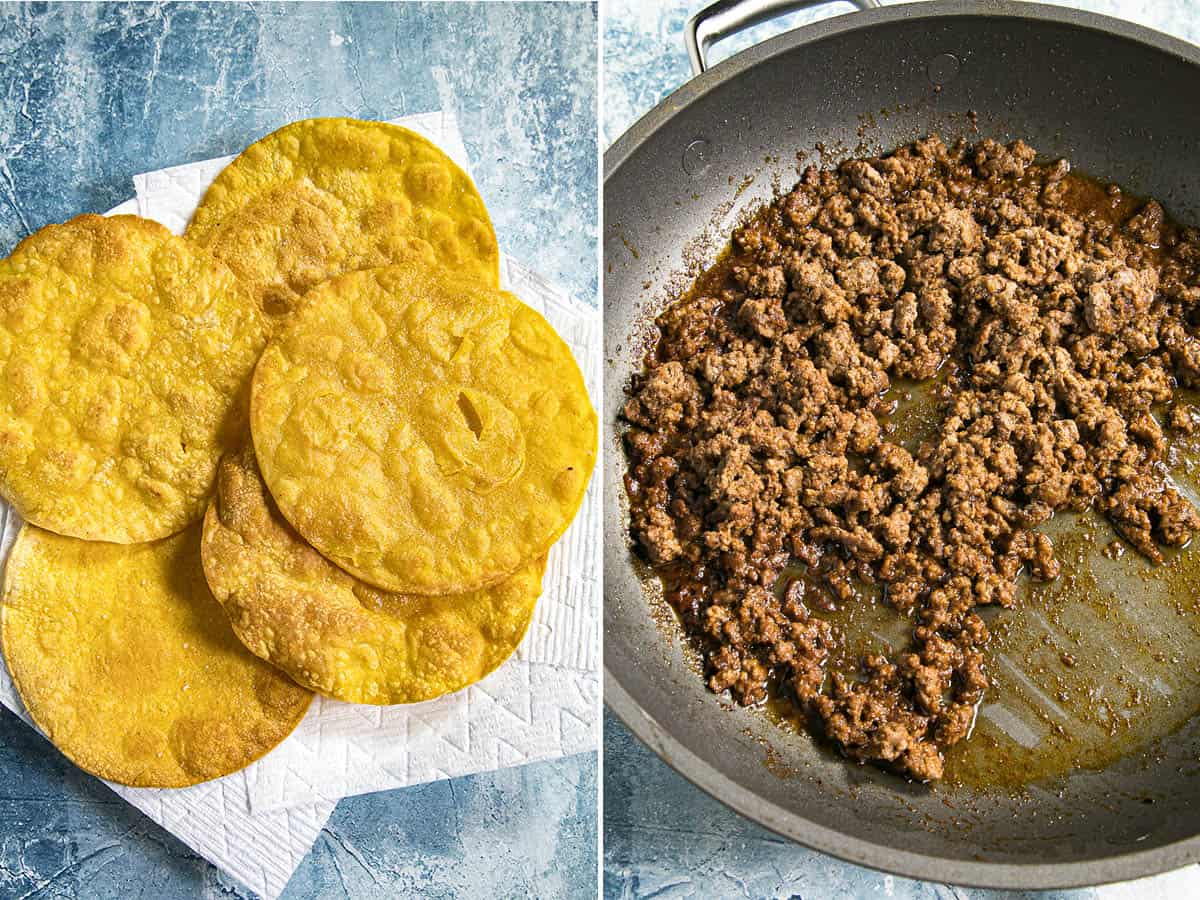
{"type": "Point", "coordinates": [1118, 109]}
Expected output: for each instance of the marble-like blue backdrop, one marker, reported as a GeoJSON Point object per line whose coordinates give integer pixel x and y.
{"type": "Point", "coordinates": [90, 95]}
{"type": "Point", "coordinates": [663, 838]}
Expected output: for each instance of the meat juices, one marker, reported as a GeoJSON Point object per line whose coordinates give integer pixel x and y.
{"type": "Point", "coordinates": [1062, 317]}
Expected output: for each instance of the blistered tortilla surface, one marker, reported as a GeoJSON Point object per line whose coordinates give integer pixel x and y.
{"type": "Point", "coordinates": [125, 356]}
{"type": "Point", "coordinates": [336, 634]}
{"type": "Point", "coordinates": [129, 665]}
{"type": "Point", "coordinates": [426, 434]}
{"type": "Point", "coordinates": [321, 197]}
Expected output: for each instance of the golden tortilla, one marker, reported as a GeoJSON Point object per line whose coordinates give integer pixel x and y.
{"type": "Point", "coordinates": [125, 354]}
{"type": "Point", "coordinates": [321, 197]}
{"type": "Point", "coordinates": [129, 666]}
{"type": "Point", "coordinates": [424, 433]}
{"type": "Point", "coordinates": [335, 634]}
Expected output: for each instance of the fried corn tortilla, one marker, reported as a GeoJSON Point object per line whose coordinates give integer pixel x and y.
{"type": "Point", "coordinates": [127, 663]}
{"type": "Point", "coordinates": [125, 354]}
{"type": "Point", "coordinates": [336, 634]}
{"type": "Point", "coordinates": [426, 434]}
{"type": "Point", "coordinates": [321, 197]}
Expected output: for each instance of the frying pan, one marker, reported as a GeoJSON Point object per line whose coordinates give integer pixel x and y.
{"type": "Point", "coordinates": [1121, 102]}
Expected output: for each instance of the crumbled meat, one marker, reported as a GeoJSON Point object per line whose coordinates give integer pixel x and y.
{"type": "Point", "coordinates": [1182, 419]}
{"type": "Point", "coordinates": [1059, 326]}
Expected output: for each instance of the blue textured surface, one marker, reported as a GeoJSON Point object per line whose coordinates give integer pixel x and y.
{"type": "Point", "coordinates": [664, 838]}
{"type": "Point", "coordinates": [89, 96]}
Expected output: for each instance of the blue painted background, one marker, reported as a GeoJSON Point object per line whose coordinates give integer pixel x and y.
{"type": "Point", "coordinates": [664, 838]}
{"type": "Point", "coordinates": [91, 95]}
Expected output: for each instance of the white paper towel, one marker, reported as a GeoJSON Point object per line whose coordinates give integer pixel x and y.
{"type": "Point", "coordinates": [542, 704]}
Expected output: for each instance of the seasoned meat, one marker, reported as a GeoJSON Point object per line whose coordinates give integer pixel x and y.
{"type": "Point", "coordinates": [1057, 317]}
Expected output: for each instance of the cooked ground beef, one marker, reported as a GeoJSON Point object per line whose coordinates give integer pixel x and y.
{"type": "Point", "coordinates": [1058, 317]}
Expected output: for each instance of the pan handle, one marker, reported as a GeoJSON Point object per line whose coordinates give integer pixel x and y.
{"type": "Point", "coordinates": [726, 17]}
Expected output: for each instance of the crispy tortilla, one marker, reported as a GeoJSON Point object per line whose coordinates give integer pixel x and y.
{"type": "Point", "coordinates": [335, 634]}
{"type": "Point", "coordinates": [320, 197]}
{"type": "Point", "coordinates": [426, 434]}
{"type": "Point", "coordinates": [127, 663]}
{"type": "Point", "coordinates": [125, 354]}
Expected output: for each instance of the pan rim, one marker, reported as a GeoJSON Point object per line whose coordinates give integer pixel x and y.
{"type": "Point", "coordinates": [683, 96]}
{"type": "Point", "coordinates": [784, 822]}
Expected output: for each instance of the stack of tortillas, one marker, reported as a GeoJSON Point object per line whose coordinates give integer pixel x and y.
{"type": "Point", "coordinates": [310, 446]}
